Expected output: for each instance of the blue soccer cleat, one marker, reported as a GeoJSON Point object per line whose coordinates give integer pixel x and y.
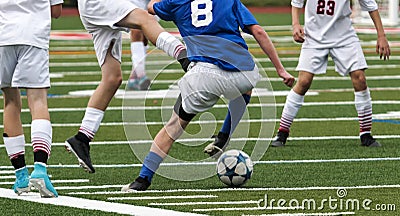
{"type": "Point", "coordinates": [139, 84]}
{"type": "Point", "coordinates": [21, 184]}
{"type": "Point", "coordinates": [41, 181]}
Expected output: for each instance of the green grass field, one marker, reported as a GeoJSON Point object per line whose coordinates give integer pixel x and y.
{"type": "Point", "coordinates": [322, 157]}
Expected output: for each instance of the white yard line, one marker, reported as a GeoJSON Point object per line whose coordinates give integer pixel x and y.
{"type": "Point", "coordinates": [245, 209]}
{"type": "Point", "coordinates": [307, 214]}
{"type": "Point", "coordinates": [217, 106]}
{"type": "Point", "coordinates": [205, 203]}
{"type": "Point", "coordinates": [92, 204]}
{"type": "Point", "coordinates": [231, 189]}
{"type": "Point", "coordinates": [273, 79]}
{"type": "Point", "coordinates": [231, 140]}
{"type": "Point", "coordinates": [104, 124]}
{"type": "Point", "coordinates": [61, 181]}
{"type": "Point", "coordinates": [163, 197]}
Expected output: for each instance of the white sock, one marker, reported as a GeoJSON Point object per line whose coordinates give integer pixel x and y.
{"type": "Point", "coordinates": [41, 135]}
{"type": "Point", "coordinates": [363, 103]}
{"type": "Point", "coordinates": [91, 122]}
{"type": "Point", "coordinates": [15, 146]}
{"type": "Point", "coordinates": [292, 105]}
{"type": "Point", "coordinates": [169, 44]}
{"type": "Point", "coordinates": [138, 57]}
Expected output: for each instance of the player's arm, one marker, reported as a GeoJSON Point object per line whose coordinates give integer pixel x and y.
{"type": "Point", "coordinates": [268, 47]}
{"type": "Point", "coordinates": [56, 11]}
{"type": "Point", "coordinates": [382, 45]}
{"type": "Point", "coordinates": [150, 7]}
{"type": "Point", "coordinates": [298, 31]}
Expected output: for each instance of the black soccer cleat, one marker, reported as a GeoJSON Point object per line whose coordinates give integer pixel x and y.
{"type": "Point", "coordinates": [82, 151]}
{"type": "Point", "coordinates": [140, 184]}
{"type": "Point", "coordinates": [216, 148]}
{"type": "Point", "coordinates": [280, 139]}
{"type": "Point", "coordinates": [183, 60]}
{"type": "Point", "coordinates": [368, 141]}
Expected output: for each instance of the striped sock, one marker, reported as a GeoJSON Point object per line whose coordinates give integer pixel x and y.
{"type": "Point", "coordinates": [15, 147]}
{"type": "Point", "coordinates": [292, 105]}
{"type": "Point", "coordinates": [363, 105]}
{"type": "Point", "coordinates": [91, 122]}
{"type": "Point", "coordinates": [41, 136]}
{"type": "Point", "coordinates": [169, 44]}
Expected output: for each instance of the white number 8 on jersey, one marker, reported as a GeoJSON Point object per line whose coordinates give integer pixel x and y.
{"type": "Point", "coordinates": [201, 12]}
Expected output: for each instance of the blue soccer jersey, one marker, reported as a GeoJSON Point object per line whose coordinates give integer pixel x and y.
{"type": "Point", "coordinates": [210, 29]}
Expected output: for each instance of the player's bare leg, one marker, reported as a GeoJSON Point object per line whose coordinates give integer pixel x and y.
{"type": "Point", "coordinates": [41, 136]}
{"type": "Point", "coordinates": [159, 150]}
{"type": "Point", "coordinates": [152, 30]}
{"type": "Point", "coordinates": [294, 101]}
{"type": "Point", "coordinates": [14, 139]}
{"type": "Point", "coordinates": [363, 106]}
{"type": "Point", "coordinates": [111, 79]}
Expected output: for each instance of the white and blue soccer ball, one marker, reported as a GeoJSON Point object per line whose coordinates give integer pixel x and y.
{"type": "Point", "coordinates": [234, 168]}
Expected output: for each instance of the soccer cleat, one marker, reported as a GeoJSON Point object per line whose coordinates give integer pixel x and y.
{"type": "Point", "coordinates": [216, 148]}
{"type": "Point", "coordinates": [41, 181]}
{"type": "Point", "coordinates": [140, 184]}
{"type": "Point", "coordinates": [82, 151]}
{"type": "Point", "coordinates": [139, 84]}
{"type": "Point", "coordinates": [21, 184]}
{"type": "Point", "coordinates": [280, 139]}
{"type": "Point", "coordinates": [368, 141]}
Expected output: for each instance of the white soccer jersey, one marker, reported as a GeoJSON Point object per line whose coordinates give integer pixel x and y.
{"type": "Point", "coordinates": [26, 22]}
{"type": "Point", "coordinates": [327, 22]}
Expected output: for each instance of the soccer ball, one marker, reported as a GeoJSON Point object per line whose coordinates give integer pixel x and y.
{"type": "Point", "coordinates": [234, 168]}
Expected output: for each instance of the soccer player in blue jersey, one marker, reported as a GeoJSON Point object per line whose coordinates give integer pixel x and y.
{"type": "Point", "coordinates": [221, 65]}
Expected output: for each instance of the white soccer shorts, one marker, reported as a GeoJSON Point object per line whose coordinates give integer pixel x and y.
{"type": "Point", "coordinates": [99, 18]}
{"type": "Point", "coordinates": [202, 86]}
{"type": "Point", "coordinates": [24, 66]}
{"type": "Point", "coordinates": [347, 59]}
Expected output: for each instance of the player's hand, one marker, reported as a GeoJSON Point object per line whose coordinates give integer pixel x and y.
{"type": "Point", "coordinates": [298, 33]}
{"type": "Point", "coordinates": [288, 79]}
{"type": "Point", "coordinates": [382, 48]}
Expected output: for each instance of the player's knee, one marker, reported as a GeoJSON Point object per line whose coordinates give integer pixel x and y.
{"type": "Point", "coordinates": [174, 128]}
{"type": "Point", "coordinates": [140, 17]}
{"type": "Point", "coordinates": [114, 81]}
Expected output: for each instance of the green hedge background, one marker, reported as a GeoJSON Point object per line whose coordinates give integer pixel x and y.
{"type": "Point", "coordinates": [73, 3]}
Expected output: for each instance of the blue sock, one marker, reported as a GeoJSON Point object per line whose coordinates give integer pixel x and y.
{"type": "Point", "coordinates": [150, 164]}
{"type": "Point", "coordinates": [237, 107]}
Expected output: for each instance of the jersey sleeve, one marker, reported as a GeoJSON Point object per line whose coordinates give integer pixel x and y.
{"type": "Point", "coordinates": [164, 9]}
{"type": "Point", "coordinates": [368, 5]}
{"type": "Point", "coordinates": [56, 2]}
{"type": "Point", "coordinates": [297, 3]}
{"type": "Point", "coordinates": [244, 16]}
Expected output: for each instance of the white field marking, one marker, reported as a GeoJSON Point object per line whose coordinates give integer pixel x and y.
{"type": "Point", "coordinates": [245, 209]}
{"type": "Point", "coordinates": [218, 106]}
{"type": "Point", "coordinates": [7, 172]}
{"type": "Point", "coordinates": [7, 177]}
{"type": "Point", "coordinates": [307, 214]}
{"type": "Point", "coordinates": [174, 92]}
{"type": "Point", "coordinates": [168, 62]}
{"type": "Point", "coordinates": [205, 203]}
{"type": "Point", "coordinates": [55, 181]}
{"type": "Point", "coordinates": [92, 204]}
{"type": "Point", "coordinates": [88, 187]}
{"type": "Point", "coordinates": [163, 197]}
{"type": "Point", "coordinates": [327, 78]}
{"type": "Point", "coordinates": [214, 163]}
{"type": "Point", "coordinates": [234, 189]}
{"type": "Point", "coordinates": [231, 140]}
